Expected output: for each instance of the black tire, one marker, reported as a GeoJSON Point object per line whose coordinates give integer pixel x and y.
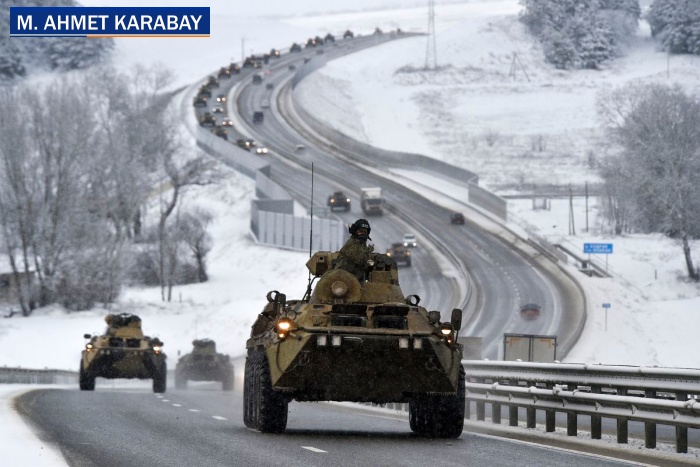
{"type": "Point", "coordinates": [271, 407]}
{"type": "Point", "coordinates": [180, 381]}
{"type": "Point", "coordinates": [248, 409]}
{"type": "Point", "coordinates": [86, 380]}
{"type": "Point", "coordinates": [439, 416]}
{"type": "Point", "coordinates": [160, 378]}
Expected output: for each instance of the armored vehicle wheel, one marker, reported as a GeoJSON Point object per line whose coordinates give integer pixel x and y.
{"type": "Point", "coordinates": [86, 380]}
{"type": "Point", "coordinates": [227, 382]}
{"type": "Point", "coordinates": [439, 416]}
{"type": "Point", "coordinates": [270, 407]}
{"type": "Point", "coordinates": [180, 382]}
{"type": "Point", "coordinates": [248, 418]}
{"type": "Point", "coordinates": [159, 378]}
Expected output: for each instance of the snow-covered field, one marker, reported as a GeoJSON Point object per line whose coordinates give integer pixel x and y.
{"type": "Point", "coordinates": [471, 113]}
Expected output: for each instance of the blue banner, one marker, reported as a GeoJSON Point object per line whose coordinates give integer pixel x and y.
{"type": "Point", "coordinates": [109, 21]}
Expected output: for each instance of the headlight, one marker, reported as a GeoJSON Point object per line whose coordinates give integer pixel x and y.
{"type": "Point", "coordinates": [447, 332]}
{"type": "Point", "coordinates": [347, 200]}
{"type": "Point", "coordinates": [284, 326]}
{"type": "Point", "coordinates": [89, 347]}
{"type": "Point", "coordinates": [156, 349]}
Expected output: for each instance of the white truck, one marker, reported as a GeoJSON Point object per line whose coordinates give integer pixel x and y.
{"type": "Point", "coordinates": [372, 201]}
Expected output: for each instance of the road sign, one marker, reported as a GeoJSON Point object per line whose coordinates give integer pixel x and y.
{"type": "Point", "coordinates": [598, 248]}
{"type": "Point", "coordinates": [606, 305]}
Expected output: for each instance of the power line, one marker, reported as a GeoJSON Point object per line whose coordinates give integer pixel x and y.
{"type": "Point", "coordinates": [431, 49]}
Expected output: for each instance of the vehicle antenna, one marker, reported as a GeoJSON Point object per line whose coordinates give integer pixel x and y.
{"type": "Point", "coordinates": [311, 231]}
{"type": "Point", "coordinates": [311, 227]}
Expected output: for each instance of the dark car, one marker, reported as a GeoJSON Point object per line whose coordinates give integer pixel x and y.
{"type": "Point", "coordinates": [258, 116]}
{"type": "Point", "coordinates": [457, 218]}
{"type": "Point", "coordinates": [224, 72]}
{"type": "Point", "coordinates": [310, 42]}
{"type": "Point", "coordinates": [275, 53]}
{"type": "Point", "coordinates": [348, 34]}
{"type": "Point", "coordinates": [213, 82]}
{"type": "Point", "coordinates": [530, 311]}
{"type": "Point", "coordinates": [399, 253]}
{"type": "Point", "coordinates": [339, 200]}
{"type": "Point", "coordinates": [269, 86]}
{"type": "Point", "coordinates": [227, 122]}
{"type": "Point", "coordinates": [200, 101]}
{"type": "Point", "coordinates": [257, 79]}
{"type": "Point", "coordinates": [295, 47]}
{"type": "Point", "coordinates": [221, 98]}
{"type": "Point", "coordinates": [329, 38]}
{"type": "Point", "coordinates": [235, 68]}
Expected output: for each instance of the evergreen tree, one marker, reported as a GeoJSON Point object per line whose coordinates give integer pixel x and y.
{"type": "Point", "coordinates": [676, 24]}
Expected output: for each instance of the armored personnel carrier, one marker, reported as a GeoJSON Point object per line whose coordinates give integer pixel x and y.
{"type": "Point", "coordinates": [359, 341]}
{"type": "Point", "coordinates": [207, 119]}
{"type": "Point", "coordinates": [204, 364]}
{"type": "Point", "coordinates": [122, 352]}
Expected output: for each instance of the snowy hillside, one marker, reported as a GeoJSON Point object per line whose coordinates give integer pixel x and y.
{"type": "Point", "coordinates": [447, 115]}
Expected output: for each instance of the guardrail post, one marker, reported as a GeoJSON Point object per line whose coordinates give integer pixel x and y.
{"type": "Point", "coordinates": [530, 412]}
{"type": "Point", "coordinates": [496, 413]}
{"type": "Point", "coordinates": [681, 431]}
{"type": "Point", "coordinates": [596, 422]}
{"type": "Point", "coordinates": [650, 428]}
{"type": "Point", "coordinates": [480, 406]}
{"type": "Point", "coordinates": [467, 408]}
{"type": "Point", "coordinates": [571, 418]}
{"type": "Point", "coordinates": [622, 423]}
{"type": "Point", "coordinates": [550, 420]}
{"type": "Point", "coordinates": [513, 415]}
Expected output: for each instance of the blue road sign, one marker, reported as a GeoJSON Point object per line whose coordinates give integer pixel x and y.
{"type": "Point", "coordinates": [598, 248]}
{"type": "Point", "coordinates": [606, 305]}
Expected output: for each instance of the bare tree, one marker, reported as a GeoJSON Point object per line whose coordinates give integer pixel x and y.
{"type": "Point", "coordinates": [193, 228]}
{"type": "Point", "coordinates": [657, 128]}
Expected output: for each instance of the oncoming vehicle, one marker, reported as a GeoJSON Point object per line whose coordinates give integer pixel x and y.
{"type": "Point", "coordinates": [218, 109]}
{"type": "Point", "coordinates": [204, 363]}
{"type": "Point", "coordinates": [265, 104]}
{"type": "Point", "coordinates": [530, 311]}
{"type": "Point", "coordinates": [409, 240]}
{"type": "Point", "coordinates": [261, 150]}
{"type": "Point", "coordinates": [122, 352]}
{"type": "Point", "coordinates": [399, 253]}
{"type": "Point", "coordinates": [339, 200]}
{"type": "Point", "coordinates": [246, 144]}
{"type": "Point", "coordinates": [221, 98]}
{"type": "Point", "coordinates": [227, 122]}
{"type": "Point", "coordinates": [355, 341]}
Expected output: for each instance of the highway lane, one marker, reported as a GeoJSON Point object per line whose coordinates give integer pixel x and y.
{"type": "Point", "coordinates": [504, 278]}
{"type": "Point", "coordinates": [203, 426]}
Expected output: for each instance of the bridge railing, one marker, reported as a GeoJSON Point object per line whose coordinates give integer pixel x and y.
{"type": "Point", "coordinates": [29, 376]}
{"type": "Point", "coordinates": [652, 395]}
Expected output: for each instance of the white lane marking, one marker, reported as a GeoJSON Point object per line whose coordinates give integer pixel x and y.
{"type": "Point", "coordinates": [218, 417]}
{"type": "Point", "coordinates": [177, 405]}
{"type": "Point", "coordinates": [159, 397]}
{"type": "Point", "coordinates": [194, 410]}
{"type": "Point", "coordinates": [313, 449]}
{"type": "Point", "coordinates": [165, 400]}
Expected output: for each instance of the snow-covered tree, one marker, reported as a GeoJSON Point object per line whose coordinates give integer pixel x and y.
{"type": "Point", "coordinates": [657, 129]}
{"type": "Point", "coordinates": [676, 23]}
{"type": "Point", "coordinates": [581, 33]}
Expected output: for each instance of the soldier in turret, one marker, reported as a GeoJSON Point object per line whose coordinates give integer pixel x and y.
{"type": "Point", "coordinates": [354, 254]}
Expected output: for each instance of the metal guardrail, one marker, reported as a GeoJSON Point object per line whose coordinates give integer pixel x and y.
{"type": "Point", "coordinates": [665, 396]}
{"type": "Point", "coordinates": [28, 376]}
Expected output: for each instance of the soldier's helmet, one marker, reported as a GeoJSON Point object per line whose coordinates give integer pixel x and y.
{"type": "Point", "coordinates": [360, 229]}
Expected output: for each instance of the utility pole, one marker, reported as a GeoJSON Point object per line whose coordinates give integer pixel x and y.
{"type": "Point", "coordinates": [242, 50]}
{"type": "Point", "coordinates": [572, 226]}
{"type": "Point", "coordinates": [431, 50]}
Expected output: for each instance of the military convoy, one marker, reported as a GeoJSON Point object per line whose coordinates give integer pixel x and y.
{"type": "Point", "coordinates": [351, 340]}
{"type": "Point", "coordinates": [204, 363]}
{"type": "Point", "coordinates": [207, 119]}
{"type": "Point", "coordinates": [399, 253]}
{"type": "Point", "coordinates": [122, 352]}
